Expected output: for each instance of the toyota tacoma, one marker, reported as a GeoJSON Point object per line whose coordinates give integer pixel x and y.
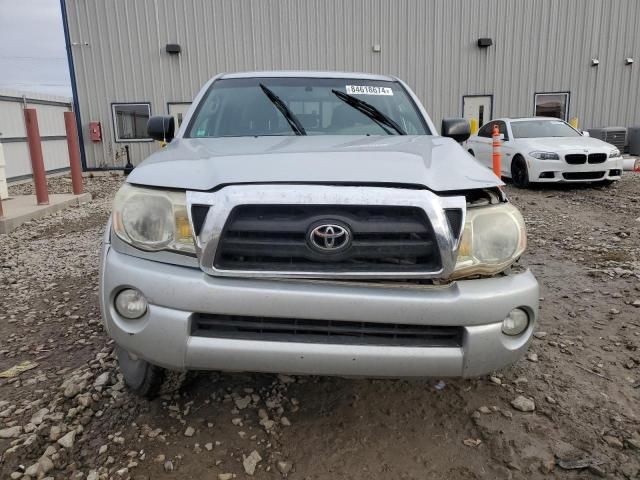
{"type": "Point", "coordinates": [313, 223]}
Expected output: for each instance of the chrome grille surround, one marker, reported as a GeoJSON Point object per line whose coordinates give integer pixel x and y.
{"type": "Point", "coordinates": [223, 201]}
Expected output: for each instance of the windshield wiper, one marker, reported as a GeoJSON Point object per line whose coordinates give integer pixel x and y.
{"type": "Point", "coordinates": [293, 121]}
{"type": "Point", "coordinates": [370, 111]}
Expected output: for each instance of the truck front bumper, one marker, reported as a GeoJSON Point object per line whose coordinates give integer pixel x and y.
{"type": "Point", "coordinates": [163, 336]}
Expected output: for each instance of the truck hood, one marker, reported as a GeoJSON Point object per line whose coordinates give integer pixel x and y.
{"type": "Point", "coordinates": [436, 163]}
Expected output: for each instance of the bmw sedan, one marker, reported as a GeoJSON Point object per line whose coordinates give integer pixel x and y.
{"type": "Point", "coordinates": [541, 149]}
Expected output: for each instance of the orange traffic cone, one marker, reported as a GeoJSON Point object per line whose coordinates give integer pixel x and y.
{"type": "Point", "coordinates": [496, 151]}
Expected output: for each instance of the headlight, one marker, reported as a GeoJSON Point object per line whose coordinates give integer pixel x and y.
{"type": "Point", "coordinates": [493, 238]}
{"type": "Point", "coordinates": [614, 153]}
{"type": "Point", "coordinates": [152, 219]}
{"type": "Point", "coordinates": [545, 155]}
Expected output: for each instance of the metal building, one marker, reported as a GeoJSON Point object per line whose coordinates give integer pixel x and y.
{"type": "Point", "coordinates": [476, 58]}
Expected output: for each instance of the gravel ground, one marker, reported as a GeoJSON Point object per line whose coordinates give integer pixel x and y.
{"type": "Point", "coordinates": [567, 410]}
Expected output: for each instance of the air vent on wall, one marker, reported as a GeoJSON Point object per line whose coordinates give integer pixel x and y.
{"type": "Point", "coordinates": [616, 136]}
{"type": "Point", "coordinates": [634, 140]}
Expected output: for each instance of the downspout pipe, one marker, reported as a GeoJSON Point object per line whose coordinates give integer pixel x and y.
{"type": "Point", "coordinates": [74, 85]}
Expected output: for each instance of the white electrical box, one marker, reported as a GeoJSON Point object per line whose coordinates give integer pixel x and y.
{"type": "Point", "coordinates": [4, 192]}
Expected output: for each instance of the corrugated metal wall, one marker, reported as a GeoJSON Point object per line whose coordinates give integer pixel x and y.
{"type": "Point", "coordinates": [539, 46]}
{"type": "Point", "coordinates": [50, 111]}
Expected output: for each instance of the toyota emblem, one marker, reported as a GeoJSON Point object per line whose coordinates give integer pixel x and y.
{"type": "Point", "coordinates": [329, 237]}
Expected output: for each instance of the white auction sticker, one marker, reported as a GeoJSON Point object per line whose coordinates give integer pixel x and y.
{"type": "Point", "coordinates": [368, 90]}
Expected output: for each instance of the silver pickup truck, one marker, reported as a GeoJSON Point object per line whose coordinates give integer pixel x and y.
{"type": "Point", "coordinates": [313, 223]}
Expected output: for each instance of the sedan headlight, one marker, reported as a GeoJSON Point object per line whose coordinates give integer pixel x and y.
{"type": "Point", "coordinates": [493, 238]}
{"type": "Point", "coordinates": [152, 220]}
{"type": "Point", "coordinates": [545, 155]}
{"type": "Point", "coordinates": [614, 153]}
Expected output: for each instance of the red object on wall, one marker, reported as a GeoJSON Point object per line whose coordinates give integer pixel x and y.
{"type": "Point", "coordinates": [95, 131]}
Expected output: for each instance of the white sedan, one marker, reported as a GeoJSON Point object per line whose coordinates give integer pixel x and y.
{"type": "Point", "coordinates": [542, 149]}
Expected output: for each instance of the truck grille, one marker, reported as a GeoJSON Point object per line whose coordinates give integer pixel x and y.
{"type": "Point", "coordinates": [324, 331]}
{"type": "Point", "coordinates": [379, 238]}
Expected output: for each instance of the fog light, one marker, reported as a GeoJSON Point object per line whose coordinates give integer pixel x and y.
{"type": "Point", "coordinates": [130, 303]}
{"type": "Point", "coordinates": [516, 322]}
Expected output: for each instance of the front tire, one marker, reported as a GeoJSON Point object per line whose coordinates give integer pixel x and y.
{"type": "Point", "coordinates": [145, 379]}
{"type": "Point", "coordinates": [519, 172]}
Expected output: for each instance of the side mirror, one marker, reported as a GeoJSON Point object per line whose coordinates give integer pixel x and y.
{"type": "Point", "coordinates": [585, 133]}
{"type": "Point", "coordinates": [161, 128]}
{"type": "Point", "coordinates": [456, 128]}
{"type": "Point", "coordinates": [502, 137]}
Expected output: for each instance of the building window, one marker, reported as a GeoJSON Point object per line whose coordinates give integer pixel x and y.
{"type": "Point", "coordinates": [130, 121]}
{"type": "Point", "coordinates": [552, 105]}
{"type": "Point", "coordinates": [178, 110]}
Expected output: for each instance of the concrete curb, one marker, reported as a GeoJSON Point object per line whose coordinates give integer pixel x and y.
{"type": "Point", "coordinates": [23, 208]}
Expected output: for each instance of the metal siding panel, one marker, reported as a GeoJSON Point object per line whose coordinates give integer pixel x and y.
{"type": "Point", "coordinates": [50, 123]}
{"type": "Point", "coordinates": [50, 119]}
{"type": "Point", "coordinates": [632, 114]}
{"type": "Point", "coordinates": [11, 119]}
{"type": "Point", "coordinates": [17, 157]}
{"type": "Point", "coordinates": [55, 154]}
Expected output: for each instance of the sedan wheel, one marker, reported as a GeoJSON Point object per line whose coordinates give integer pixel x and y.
{"type": "Point", "coordinates": [519, 173]}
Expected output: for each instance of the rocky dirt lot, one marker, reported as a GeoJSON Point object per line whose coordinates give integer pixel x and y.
{"type": "Point", "coordinates": [567, 410]}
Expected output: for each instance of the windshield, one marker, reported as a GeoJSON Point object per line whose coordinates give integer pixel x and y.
{"type": "Point", "coordinates": [542, 128]}
{"type": "Point", "coordinates": [245, 107]}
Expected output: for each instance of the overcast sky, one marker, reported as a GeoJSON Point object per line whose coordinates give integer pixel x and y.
{"type": "Point", "coordinates": [33, 57]}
